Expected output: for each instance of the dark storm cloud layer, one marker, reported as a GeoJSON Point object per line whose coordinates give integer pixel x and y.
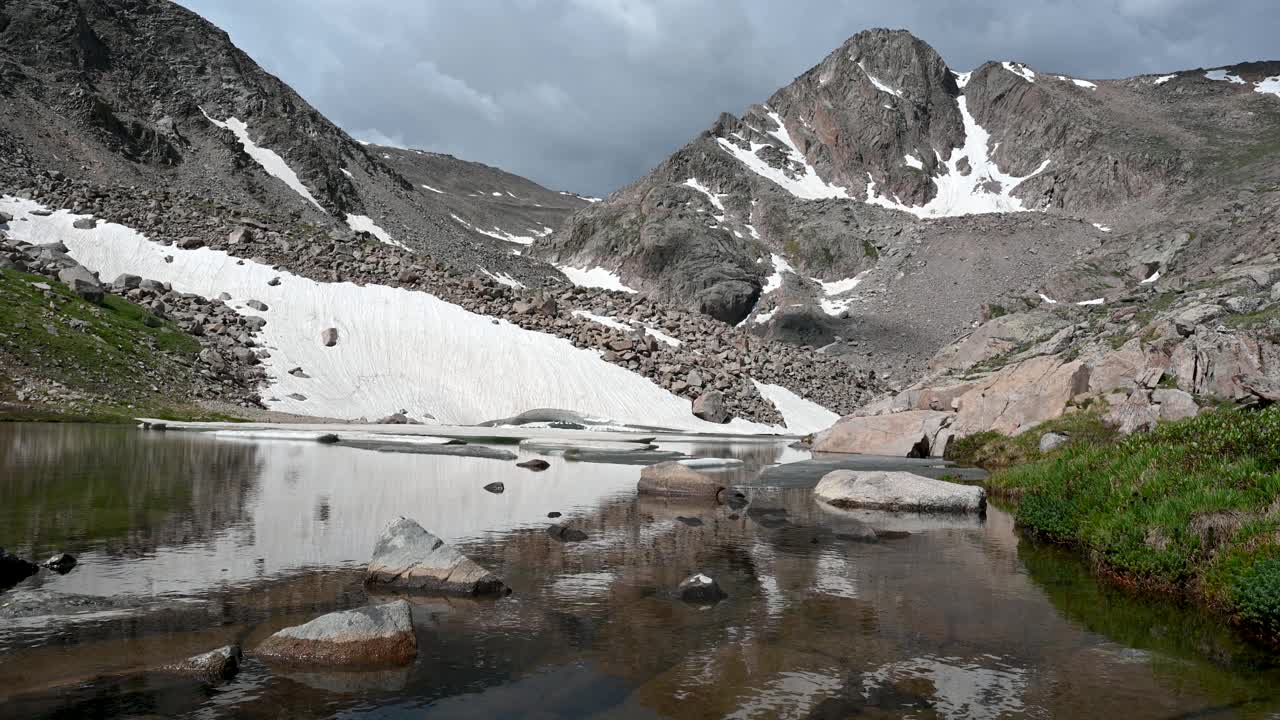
{"type": "Point", "coordinates": [588, 95]}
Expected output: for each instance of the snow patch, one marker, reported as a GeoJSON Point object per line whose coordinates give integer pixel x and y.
{"type": "Point", "coordinates": [1224, 75]}
{"type": "Point", "coordinates": [962, 79]}
{"type": "Point", "coordinates": [268, 159]}
{"type": "Point", "coordinates": [347, 173]}
{"type": "Point", "coordinates": [1048, 300]}
{"type": "Point", "coordinates": [959, 194]}
{"type": "Point", "coordinates": [1269, 85]}
{"type": "Point", "coordinates": [765, 317]}
{"type": "Point", "coordinates": [1095, 301]}
{"type": "Point", "coordinates": [913, 162]}
{"type": "Point", "coordinates": [1154, 277]}
{"type": "Point", "coordinates": [1163, 79]}
{"type": "Point", "coordinates": [799, 415]}
{"type": "Point", "coordinates": [397, 348]}
{"type": "Point", "coordinates": [1103, 228]}
{"type": "Point", "coordinates": [428, 187]}
{"type": "Point", "coordinates": [362, 223]}
{"type": "Point", "coordinates": [604, 320]}
{"type": "Point", "coordinates": [835, 308]}
{"type": "Point", "coordinates": [1020, 70]}
{"type": "Point", "coordinates": [1081, 83]}
{"type": "Point", "coordinates": [774, 281]}
{"type": "Point", "coordinates": [596, 277]}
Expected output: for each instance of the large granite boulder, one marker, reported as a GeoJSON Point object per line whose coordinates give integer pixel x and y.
{"type": "Point", "coordinates": [675, 479]}
{"type": "Point", "coordinates": [369, 636]}
{"type": "Point", "coordinates": [215, 665]}
{"type": "Point", "coordinates": [82, 283]}
{"type": "Point", "coordinates": [1021, 396]}
{"type": "Point", "coordinates": [710, 406]}
{"type": "Point", "coordinates": [897, 491]}
{"type": "Point", "coordinates": [915, 433]}
{"type": "Point", "coordinates": [408, 557]}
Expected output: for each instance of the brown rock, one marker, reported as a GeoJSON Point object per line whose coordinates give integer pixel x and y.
{"type": "Point", "coordinates": [375, 635]}
{"type": "Point", "coordinates": [914, 433]}
{"type": "Point", "coordinates": [674, 479]}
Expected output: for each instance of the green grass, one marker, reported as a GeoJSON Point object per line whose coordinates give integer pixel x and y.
{"type": "Point", "coordinates": [118, 352]}
{"type": "Point", "coordinates": [1192, 507]}
{"type": "Point", "coordinates": [995, 451]}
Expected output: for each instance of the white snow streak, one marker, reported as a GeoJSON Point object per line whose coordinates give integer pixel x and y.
{"type": "Point", "coordinates": [881, 86]}
{"type": "Point", "coordinates": [1163, 79]}
{"type": "Point", "coordinates": [1154, 277]}
{"type": "Point", "coordinates": [1020, 70]}
{"type": "Point", "coordinates": [596, 277]}
{"type": "Point", "coordinates": [962, 79]}
{"type": "Point", "coordinates": [362, 223]}
{"type": "Point", "coordinates": [347, 173]}
{"type": "Point", "coordinates": [496, 233]}
{"type": "Point", "coordinates": [774, 281]}
{"type": "Point", "coordinates": [1103, 228]}
{"type": "Point", "coordinates": [503, 278]}
{"type": "Point", "coordinates": [1095, 301]}
{"type": "Point", "coordinates": [604, 320]}
{"type": "Point", "coordinates": [808, 185]}
{"type": "Point", "coordinates": [836, 287]}
{"type": "Point", "coordinates": [396, 348]}
{"type": "Point", "coordinates": [714, 198]}
{"type": "Point", "coordinates": [268, 159]}
{"type": "Point", "coordinates": [1048, 300]}
{"type": "Point", "coordinates": [1081, 83]}
{"type": "Point", "coordinates": [433, 189]}
{"type": "Point", "coordinates": [913, 162]}
{"type": "Point", "coordinates": [959, 194]}
{"type": "Point", "coordinates": [765, 317]}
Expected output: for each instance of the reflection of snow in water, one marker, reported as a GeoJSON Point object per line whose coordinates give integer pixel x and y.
{"type": "Point", "coordinates": [577, 585]}
{"type": "Point", "coordinates": [834, 576]}
{"type": "Point", "coordinates": [789, 695]}
{"type": "Point", "coordinates": [774, 601]}
{"type": "Point", "coordinates": [961, 689]}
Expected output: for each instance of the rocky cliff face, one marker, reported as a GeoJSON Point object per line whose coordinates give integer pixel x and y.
{"type": "Point", "coordinates": [883, 204]}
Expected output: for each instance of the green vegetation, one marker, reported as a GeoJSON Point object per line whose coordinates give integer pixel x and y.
{"type": "Point", "coordinates": [869, 250]}
{"type": "Point", "coordinates": [1192, 507]}
{"type": "Point", "coordinates": [116, 350]}
{"type": "Point", "coordinates": [995, 451]}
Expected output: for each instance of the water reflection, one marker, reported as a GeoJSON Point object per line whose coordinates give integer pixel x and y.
{"type": "Point", "coordinates": [945, 617]}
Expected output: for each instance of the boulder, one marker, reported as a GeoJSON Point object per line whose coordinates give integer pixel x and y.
{"type": "Point", "coordinates": [1188, 320]}
{"type": "Point", "coordinates": [907, 434]}
{"type": "Point", "coordinates": [1215, 364]}
{"type": "Point", "coordinates": [126, 281]}
{"type": "Point", "coordinates": [897, 491]}
{"type": "Point", "coordinates": [62, 563]}
{"type": "Point", "coordinates": [1134, 414]}
{"type": "Point", "coordinates": [1051, 441]}
{"type": "Point", "coordinates": [329, 336]}
{"type": "Point", "coordinates": [14, 569]}
{"type": "Point", "coordinates": [699, 588]}
{"type": "Point", "coordinates": [215, 665]}
{"type": "Point", "coordinates": [674, 479]}
{"type": "Point", "coordinates": [409, 557]}
{"type": "Point", "coordinates": [190, 243]}
{"type": "Point", "coordinates": [374, 635]}
{"type": "Point", "coordinates": [496, 488]}
{"type": "Point", "coordinates": [1175, 404]}
{"type": "Point", "coordinates": [82, 283]}
{"type": "Point", "coordinates": [257, 305]}
{"type": "Point", "coordinates": [710, 406]}
{"type": "Point", "coordinates": [1020, 396]}
{"type": "Point", "coordinates": [536, 465]}
{"type": "Point", "coordinates": [84, 223]}
{"type": "Point", "coordinates": [564, 533]}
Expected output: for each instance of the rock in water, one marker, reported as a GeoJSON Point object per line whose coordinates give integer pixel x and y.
{"type": "Point", "coordinates": [897, 491]}
{"type": "Point", "coordinates": [674, 479]}
{"type": "Point", "coordinates": [564, 533]}
{"type": "Point", "coordinates": [408, 557]}
{"type": "Point", "coordinates": [220, 664]}
{"type": "Point", "coordinates": [536, 465]}
{"type": "Point", "coordinates": [61, 563]}
{"type": "Point", "coordinates": [14, 569]}
{"type": "Point", "coordinates": [496, 488]}
{"type": "Point", "coordinates": [368, 636]}
{"type": "Point", "coordinates": [710, 406]}
{"type": "Point", "coordinates": [700, 588]}
{"type": "Point", "coordinates": [329, 337]}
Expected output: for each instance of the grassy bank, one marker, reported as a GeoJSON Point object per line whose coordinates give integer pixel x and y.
{"type": "Point", "coordinates": [1192, 508]}
{"type": "Point", "coordinates": [109, 362]}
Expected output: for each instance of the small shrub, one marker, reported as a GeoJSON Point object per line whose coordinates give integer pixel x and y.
{"type": "Point", "coordinates": [1256, 596]}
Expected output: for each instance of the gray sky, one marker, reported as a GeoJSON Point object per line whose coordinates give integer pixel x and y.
{"type": "Point", "coordinates": [587, 95]}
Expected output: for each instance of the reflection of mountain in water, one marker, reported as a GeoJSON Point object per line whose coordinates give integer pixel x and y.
{"type": "Point", "coordinates": [115, 489]}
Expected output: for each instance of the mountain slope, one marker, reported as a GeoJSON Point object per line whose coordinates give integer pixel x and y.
{"type": "Point", "coordinates": [887, 200]}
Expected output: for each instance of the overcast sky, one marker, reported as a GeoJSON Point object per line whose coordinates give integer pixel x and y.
{"type": "Point", "coordinates": [587, 95]}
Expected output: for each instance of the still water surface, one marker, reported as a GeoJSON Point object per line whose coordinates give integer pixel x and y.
{"type": "Point", "coordinates": [187, 542]}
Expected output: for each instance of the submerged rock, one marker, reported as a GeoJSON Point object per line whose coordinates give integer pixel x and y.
{"type": "Point", "coordinates": [564, 533]}
{"type": "Point", "coordinates": [14, 569]}
{"type": "Point", "coordinates": [408, 557]}
{"type": "Point", "coordinates": [897, 491]}
{"type": "Point", "coordinates": [536, 465]}
{"type": "Point", "coordinates": [699, 588]}
{"type": "Point", "coordinates": [674, 479]}
{"type": "Point", "coordinates": [220, 664]}
{"type": "Point", "coordinates": [368, 636]}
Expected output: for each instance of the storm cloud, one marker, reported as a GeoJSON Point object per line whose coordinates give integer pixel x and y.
{"type": "Point", "coordinates": [588, 95]}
